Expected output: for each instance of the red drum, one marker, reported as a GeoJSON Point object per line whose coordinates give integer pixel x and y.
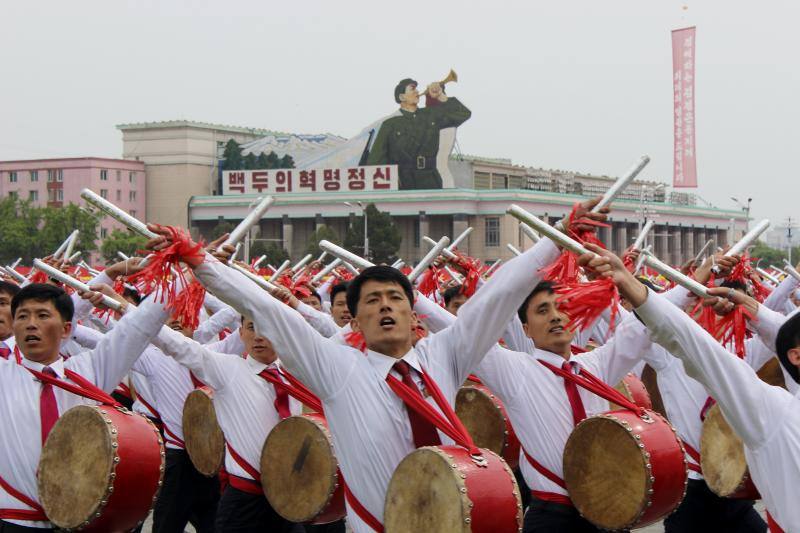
{"type": "Point", "coordinates": [623, 471]}
{"type": "Point", "coordinates": [633, 388]}
{"type": "Point", "coordinates": [100, 469]}
{"type": "Point", "coordinates": [300, 472]}
{"type": "Point", "coordinates": [443, 488]}
{"type": "Point", "coordinates": [486, 420]}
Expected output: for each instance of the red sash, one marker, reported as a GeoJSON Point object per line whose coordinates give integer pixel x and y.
{"type": "Point", "coordinates": [773, 525]}
{"type": "Point", "coordinates": [695, 455]}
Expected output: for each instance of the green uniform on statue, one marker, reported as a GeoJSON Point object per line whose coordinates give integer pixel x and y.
{"type": "Point", "coordinates": [411, 140]}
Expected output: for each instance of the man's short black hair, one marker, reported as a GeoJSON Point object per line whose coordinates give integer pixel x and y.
{"type": "Point", "coordinates": [451, 293]}
{"type": "Point", "coordinates": [339, 287]}
{"type": "Point", "coordinates": [788, 338]}
{"type": "Point", "coordinates": [6, 287]}
{"type": "Point", "coordinates": [736, 285]}
{"type": "Point", "coordinates": [43, 292]}
{"type": "Point", "coordinates": [401, 88]}
{"type": "Point", "coordinates": [316, 295]}
{"type": "Point", "coordinates": [522, 312]}
{"type": "Point", "coordinates": [133, 294]}
{"type": "Point", "coordinates": [382, 273]}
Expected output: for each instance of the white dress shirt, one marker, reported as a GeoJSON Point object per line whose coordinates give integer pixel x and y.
{"type": "Point", "coordinates": [244, 401]}
{"type": "Point", "coordinates": [322, 322]}
{"type": "Point", "coordinates": [105, 366]}
{"type": "Point", "coordinates": [369, 422]}
{"type": "Point", "coordinates": [766, 418]}
{"type": "Point", "coordinates": [224, 317]}
{"type": "Point", "coordinates": [779, 296]}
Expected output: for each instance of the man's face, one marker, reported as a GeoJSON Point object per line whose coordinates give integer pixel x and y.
{"type": "Point", "coordinates": [256, 346]}
{"type": "Point", "coordinates": [175, 324]}
{"type": "Point", "coordinates": [312, 301]}
{"type": "Point", "coordinates": [39, 330]}
{"type": "Point", "coordinates": [546, 325]}
{"type": "Point", "coordinates": [455, 303]}
{"type": "Point", "coordinates": [410, 96]}
{"type": "Point", "coordinates": [6, 329]}
{"type": "Point", "coordinates": [339, 311]}
{"type": "Point", "coordinates": [385, 317]}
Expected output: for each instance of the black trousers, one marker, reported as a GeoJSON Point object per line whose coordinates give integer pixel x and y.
{"type": "Point", "coordinates": [550, 517]}
{"type": "Point", "coordinates": [187, 496]}
{"type": "Point", "coordinates": [333, 527]}
{"type": "Point", "coordinates": [8, 527]}
{"type": "Point", "coordinates": [240, 512]}
{"type": "Point", "coordinates": [702, 510]}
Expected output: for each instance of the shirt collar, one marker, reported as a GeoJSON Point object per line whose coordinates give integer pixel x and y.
{"type": "Point", "coordinates": [383, 363]}
{"type": "Point", "coordinates": [9, 343]}
{"type": "Point", "coordinates": [258, 367]}
{"type": "Point", "coordinates": [550, 357]}
{"type": "Point", "coordinates": [57, 366]}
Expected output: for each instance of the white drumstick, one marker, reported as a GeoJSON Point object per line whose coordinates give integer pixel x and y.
{"type": "Point", "coordinates": [249, 221]}
{"type": "Point", "coordinates": [637, 244]}
{"type": "Point", "coordinates": [513, 249]}
{"type": "Point", "coordinates": [429, 258]}
{"type": "Point", "coordinates": [280, 270]}
{"type": "Point", "coordinates": [80, 286]}
{"type": "Point", "coordinates": [327, 270]}
{"type": "Point", "coordinates": [674, 275]}
{"type": "Point", "coordinates": [117, 214]}
{"type": "Point", "coordinates": [344, 255]}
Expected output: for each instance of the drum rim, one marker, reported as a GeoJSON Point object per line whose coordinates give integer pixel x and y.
{"type": "Point", "coordinates": [186, 439]}
{"type": "Point", "coordinates": [745, 475]}
{"type": "Point", "coordinates": [500, 409]}
{"type": "Point", "coordinates": [319, 420]}
{"type": "Point", "coordinates": [650, 478]}
{"type": "Point", "coordinates": [112, 431]}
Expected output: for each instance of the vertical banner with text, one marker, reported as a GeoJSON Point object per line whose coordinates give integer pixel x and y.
{"type": "Point", "coordinates": [684, 156]}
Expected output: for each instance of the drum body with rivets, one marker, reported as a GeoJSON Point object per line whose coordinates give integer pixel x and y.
{"type": "Point", "coordinates": [205, 442]}
{"type": "Point", "coordinates": [300, 472]}
{"type": "Point", "coordinates": [624, 471]}
{"type": "Point", "coordinates": [442, 488]}
{"type": "Point", "coordinates": [100, 470]}
{"type": "Point", "coordinates": [722, 459]}
{"type": "Point", "coordinates": [486, 420]}
{"type": "Point", "coordinates": [634, 389]}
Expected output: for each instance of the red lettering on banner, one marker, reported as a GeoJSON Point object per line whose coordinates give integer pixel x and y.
{"type": "Point", "coordinates": [236, 181]}
{"type": "Point", "coordinates": [283, 178]}
{"type": "Point", "coordinates": [380, 179]}
{"type": "Point", "coordinates": [355, 179]}
{"type": "Point", "coordinates": [260, 180]}
{"type": "Point", "coordinates": [331, 179]}
{"type": "Point", "coordinates": [308, 179]}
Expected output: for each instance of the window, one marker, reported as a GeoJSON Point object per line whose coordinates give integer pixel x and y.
{"type": "Point", "coordinates": [33, 196]}
{"type": "Point", "coordinates": [119, 195]}
{"type": "Point", "coordinates": [59, 195]}
{"type": "Point", "coordinates": [417, 233]}
{"type": "Point", "coordinates": [103, 233]}
{"type": "Point", "coordinates": [13, 194]}
{"type": "Point", "coordinates": [132, 196]}
{"type": "Point", "coordinates": [133, 213]}
{"type": "Point", "coordinates": [59, 175]}
{"type": "Point", "coordinates": [492, 235]}
{"type": "Point", "coordinates": [104, 175]}
{"type": "Point", "coordinates": [132, 177]}
{"type": "Point", "coordinates": [34, 176]}
{"type": "Point", "coordinates": [12, 176]}
{"type": "Point", "coordinates": [51, 195]}
{"type": "Point", "coordinates": [119, 175]}
{"type": "Point", "coordinates": [50, 176]}
{"type": "Point", "coordinates": [104, 194]}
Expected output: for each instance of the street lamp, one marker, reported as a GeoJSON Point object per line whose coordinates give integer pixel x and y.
{"type": "Point", "coordinates": [746, 209]}
{"type": "Point", "coordinates": [366, 235]}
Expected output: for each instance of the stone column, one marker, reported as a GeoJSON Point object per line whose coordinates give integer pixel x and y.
{"type": "Point", "coordinates": [288, 234]}
{"type": "Point", "coordinates": [687, 243]}
{"type": "Point", "coordinates": [622, 237]}
{"type": "Point", "coordinates": [605, 237]}
{"type": "Point", "coordinates": [424, 229]}
{"type": "Point", "coordinates": [701, 239]}
{"type": "Point", "coordinates": [318, 221]}
{"type": "Point", "coordinates": [460, 225]}
{"type": "Point", "coordinates": [661, 247]}
{"type": "Point", "coordinates": [676, 244]}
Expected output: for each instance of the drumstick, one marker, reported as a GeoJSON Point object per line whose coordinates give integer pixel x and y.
{"type": "Point", "coordinates": [429, 258]}
{"type": "Point", "coordinates": [637, 244]}
{"type": "Point", "coordinates": [300, 264]}
{"type": "Point", "coordinates": [527, 230]}
{"type": "Point", "coordinates": [327, 270]}
{"type": "Point", "coordinates": [457, 241]}
{"type": "Point", "coordinates": [768, 276]}
{"type": "Point", "coordinates": [80, 286]}
{"type": "Point", "coordinates": [117, 214]}
{"type": "Point", "coordinates": [279, 271]}
{"type": "Point", "coordinates": [745, 241]}
{"type": "Point", "coordinates": [71, 241]}
{"type": "Point", "coordinates": [16, 275]}
{"type": "Point", "coordinates": [674, 275]}
{"type": "Point", "coordinates": [60, 251]}
{"type": "Point", "coordinates": [703, 250]}
{"type": "Point", "coordinates": [513, 249]}
{"type": "Point", "coordinates": [249, 221]}
{"type": "Point", "coordinates": [259, 261]}
{"type": "Point", "coordinates": [261, 282]}
{"type": "Point", "coordinates": [344, 255]}
{"type": "Point", "coordinates": [446, 252]}
{"type": "Point", "coordinates": [493, 267]}
{"type": "Point", "coordinates": [791, 270]}
{"type": "Point", "coordinates": [547, 230]}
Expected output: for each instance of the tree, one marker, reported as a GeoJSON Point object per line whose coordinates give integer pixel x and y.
{"type": "Point", "coordinates": [286, 162]}
{"type": "Point", "coordinates": [222, 227]}
{"type": "Point", "coordinates": [274, 252]}
{"type": "Point", "coordinates": [59, 222]}
{"type": "Point", "coordinates": [384, 236]}
{"type": "Point", "coordinates": [232, 156]}
{"type": "Point", "coordinates": [250, 161]}
{"type": "Point", "coordinates": [323, 232]}
{"type": "Point", "coordinates": [127, 242]}
{"type": "Point", "coordinates": [261, 161]}
{"type": "Point", "coordinates": [272, 160]}
{"type": "Point", "coordinates": [772, 256]}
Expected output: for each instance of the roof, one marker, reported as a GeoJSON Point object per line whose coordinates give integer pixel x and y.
{"type": "Point", "coordinates": [194, 124]}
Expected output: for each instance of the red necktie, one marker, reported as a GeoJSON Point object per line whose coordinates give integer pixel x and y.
{"type": "Point", "coordinates": [424, 432]}
{"type": "Point", "coordinates": [4, 351]}
{"type": "Point", "coordinates": [281, 396]}
{"type": "Point", "coordinates": [575, 402]}
{"type": "Point", "coordinates": [48, 408]}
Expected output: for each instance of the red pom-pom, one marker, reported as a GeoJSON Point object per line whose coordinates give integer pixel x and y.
{"type": "Point", "coordinates": [732, 328]}
{"type": "Point", "coordinates": [583, 303]}
{"type": "Point", "coordinates": [39, 277]}
{"type": "Point", "coordinates": [188, 303]}
{"type": "Point", "coordinates": [429, 284]}
{"type": "Point", "coordinates": [356, 340]}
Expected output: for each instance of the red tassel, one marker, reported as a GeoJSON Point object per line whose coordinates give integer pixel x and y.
{"type": "Point", "coordinates": [356, 340]}
{"type": "Point", "coordinates": [39, 277]}
{"type": "Point", "coordinates": [584, 303]}
{"type": "Point", "coordinates": [429, 284]}
{"type": "Point", "coordinates": [733, 328]}
{"type": "Point", "coordinates": [406, 270]}
{"type": "Point", "coordinates": [706, 318]}
{"type": "Point", "coordinates": [472, 273]}
{"type": "Point", "coordinates": [187, 305]}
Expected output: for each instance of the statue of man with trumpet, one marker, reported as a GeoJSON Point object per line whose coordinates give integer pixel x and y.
{"type": "Point", "coordinates": [410, 140]}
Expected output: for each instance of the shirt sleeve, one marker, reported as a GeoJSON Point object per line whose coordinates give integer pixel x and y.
{"type": "Point", "coordinates": [434, 315]}
{"type": "Point", "coordinates": [749, 404]}
{"type": "Point", "coordinates": [515, 338]}
{"type": "Point", "coordinates": [225, 317]}
{"type": "Point", "coordinates": [322, 364]}
{"type": "Point", "coordinates": [777, 299]}
{"type": "Point", "coordinates": [322, 322]}
{"type": "Point", "coordinates": [619, 355]}
{"type": "Point", "coordinates": [84, 307]}
{"type": "Point", "coordinates": [767, 325]}
{"type": "Point", "coordinates": [213, 369]}
{"type": "Point", "coordinates": [86, 337]}
{"type": "Point", "coordinates": [232, 344]}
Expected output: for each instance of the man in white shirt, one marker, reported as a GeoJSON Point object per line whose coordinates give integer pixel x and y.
{"type": "Point", "coordinates": [339, 310]}
{"type": "Point", "coordinates": [7, 291]}
{"type": "Point", "coordinates": [28, 409]}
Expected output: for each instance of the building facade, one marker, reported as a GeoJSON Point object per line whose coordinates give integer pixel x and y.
{"type": "Point", "coordinates": [58, 182]}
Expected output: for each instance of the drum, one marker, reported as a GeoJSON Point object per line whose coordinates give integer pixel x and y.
{"type": "Point", "coordinates": [634, 390]}
{"type": "Point", "coordinates": [624, 472]}
{"type": "Point", "coordinates": [722, 459]}
{"type": "Point", "coordinates": [100, 469]}
{"type": "Point", "coordinates": [650, 381]}
{"type": "Point", "coordinates": [486, 420]}
{"type": "Point", "coordinates": [441, 488]}
{"type": "Point", "coordinates": [205, 442]}
{"type": "Point", "coordinates": [771, 373]}
{"type": "Point", "coordinates": [300, 471]}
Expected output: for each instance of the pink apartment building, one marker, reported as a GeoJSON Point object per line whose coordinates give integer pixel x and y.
{"type": "Point", "coordinates": [58, 182]}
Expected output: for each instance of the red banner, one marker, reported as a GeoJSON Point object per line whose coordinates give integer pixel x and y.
{"type": "Point", "coordinates": [685, 163]}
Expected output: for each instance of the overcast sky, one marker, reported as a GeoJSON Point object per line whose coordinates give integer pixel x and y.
{"type": "Point", "coordinates": [579, 85]}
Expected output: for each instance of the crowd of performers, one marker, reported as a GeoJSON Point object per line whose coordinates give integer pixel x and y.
{"type": "Point", "coordinates": [547, 337]}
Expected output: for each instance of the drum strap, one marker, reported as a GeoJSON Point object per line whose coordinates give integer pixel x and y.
{"type": "Point", "coordinates": [710, 402]}
{"type": "Point", "coordinates": [17, 355]}
{"type": "Point", "coordinates": [543, 470]}
{"type": "Point", "coordinates": [241, 461]}
{"type": "Point", "coordinates": [773, 525]}
{"type": "Point", "coordinates": [294, 387]}
{"type": "Point", "coordinates": [695, 455]}
{"type": "Point", "coordinates": [83, 387]}
{"type": "Point", "coordinates": [36, 514]}
{"type": "Point", "coordinates": [361, 511]}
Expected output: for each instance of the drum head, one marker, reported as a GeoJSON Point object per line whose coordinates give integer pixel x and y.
{"type": "Point", "coordinates": [605, 473]}
{"type": "Point", "coordinates": [299, 468]}
{"type": "Point", "coordinates": [721, 454]}
{"type": "Point", "coordinates": [425, 494]}
{"type": "Point", "coordinates": [205, 442]}
{"type": "Point", "coordinates": [482, 418]}
{"type": "Point", "coordinates": [771, 373]}
{"type": "Point", "coordinates": [75, 468]}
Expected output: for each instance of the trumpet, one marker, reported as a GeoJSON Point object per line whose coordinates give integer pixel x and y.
{"type": "Point", "coordinates": [452, 76]}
